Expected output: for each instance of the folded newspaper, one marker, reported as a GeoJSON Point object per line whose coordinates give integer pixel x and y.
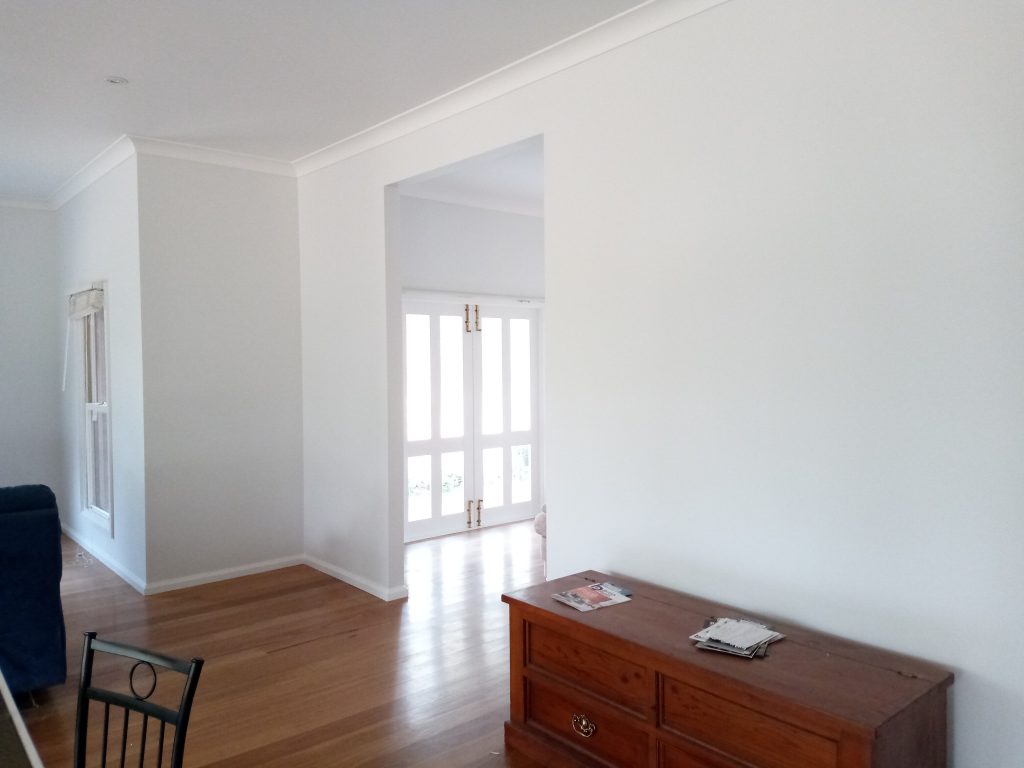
{"type": "Point", "coordinates": [594, 596]}
{"type": "Point", "coordinates": [739, 637]}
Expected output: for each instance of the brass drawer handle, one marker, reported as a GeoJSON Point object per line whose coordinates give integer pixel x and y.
{"type": "Point", "coordinates": [583, 725]}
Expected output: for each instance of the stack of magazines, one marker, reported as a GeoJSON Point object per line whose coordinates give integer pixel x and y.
{"type": "Point", "coordinates": [594, 596]}
{"type": "Point", "coordinates": [739, 637]}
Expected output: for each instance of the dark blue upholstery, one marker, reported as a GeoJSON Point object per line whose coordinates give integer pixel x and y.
{"type": "Point", "coordinates": [32, 642]}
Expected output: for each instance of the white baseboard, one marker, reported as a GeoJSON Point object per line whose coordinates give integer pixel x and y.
{"type": "Point", "coordinates": [340, 574]}
{"type": "Point", "coordinates": [209, 577]}
{"type": "Point", "coordinates": [375, 589]}
{"type": "Point", "coordinates": [131, 579]}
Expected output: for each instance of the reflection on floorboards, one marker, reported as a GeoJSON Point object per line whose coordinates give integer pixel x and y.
{"type": "Point", "coordinates": [305, 671]}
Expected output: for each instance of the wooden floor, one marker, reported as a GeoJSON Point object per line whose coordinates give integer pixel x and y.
{"type": "Point", "coordinates": [303, 670]}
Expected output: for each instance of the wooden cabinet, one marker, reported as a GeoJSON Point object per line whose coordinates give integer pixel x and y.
{"type": "Point", "coordinates": [624, 686]}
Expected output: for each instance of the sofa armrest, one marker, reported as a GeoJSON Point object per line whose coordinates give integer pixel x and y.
{"type": "Point", "coordinates": [32, 635]}
{"type": "Point", "coordinates": [30, 556]}
{"type": "Point", "coordinates": [18, 498]}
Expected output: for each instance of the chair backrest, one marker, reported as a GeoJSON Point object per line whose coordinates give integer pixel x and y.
{"type": "Point", "coordinates": [129, 677]}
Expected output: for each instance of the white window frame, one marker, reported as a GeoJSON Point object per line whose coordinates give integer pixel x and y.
{"type": "Point", "coordinates": [97, 444]}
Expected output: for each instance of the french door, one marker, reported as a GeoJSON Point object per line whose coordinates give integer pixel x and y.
{"type": "Point", "coordinates": [471, 432]}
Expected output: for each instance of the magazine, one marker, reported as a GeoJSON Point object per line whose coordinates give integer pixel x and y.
{"type": "Point", "coordinates": [594, 596]}
{"type": "Point", "coordinates": [740, 637]}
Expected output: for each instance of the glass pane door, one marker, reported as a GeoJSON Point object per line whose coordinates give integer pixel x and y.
{"type": "Point", "coordinates": [438, 392]}
{"type": "Point", "coordinates": [506, 439]}
{"type": "Point", "coordinates": [470, 417]}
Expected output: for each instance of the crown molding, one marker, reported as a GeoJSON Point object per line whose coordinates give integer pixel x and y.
{"type": "Point", "coordinates": [637, 22]}
{"type": "Point", "coordinates": [126, 146]}
{"type": "Point", "coordinates": [494, 203]}
{"type": "Point", "coordinates": [27, 205]}
{"type": "Point", "coordinates": [195, 153]}
{"type": "Point", "coordinates": [633, 24]}
{"type": "Point", "coordinates": [94, 170]}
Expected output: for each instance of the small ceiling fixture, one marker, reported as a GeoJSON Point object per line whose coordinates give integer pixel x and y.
{"type": "Point", "coordinates": [117, 80]}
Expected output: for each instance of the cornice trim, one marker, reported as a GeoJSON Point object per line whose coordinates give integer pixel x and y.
{"type": "Point", "coordinates": [179, 151]}
{"type": "Point", "coordinates": [496, 203]}
{"type": "Point", "coordinates": [633, 24]}
{"type": "Point", "coordinates": [27, 205]}
{"type": "Point", "coordinates": [126, 146]}
{"type": "Point", "coordinates": [610, 34]}
{"type": "Point", "coordinates": [93, 171]}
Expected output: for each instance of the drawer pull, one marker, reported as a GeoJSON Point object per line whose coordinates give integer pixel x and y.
{"type": "Point", "coordinates": [583, 725]}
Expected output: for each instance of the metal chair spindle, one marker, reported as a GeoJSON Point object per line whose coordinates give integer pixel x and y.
{"type": "Point", "coordinates": [160, 752]}
{"type": "Point", "coordinates": [142, 740]}
{"type": "Point", "coordinates": [124, 738]}
{"type": "Point", "coordinates": [106, 732]}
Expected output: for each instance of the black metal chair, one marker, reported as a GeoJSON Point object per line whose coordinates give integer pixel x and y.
{"type": "Point", "coordinates": [140, 666]}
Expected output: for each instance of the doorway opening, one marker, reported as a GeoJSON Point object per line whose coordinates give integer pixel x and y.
{"type": "Point", "coordinates": [466, 290]}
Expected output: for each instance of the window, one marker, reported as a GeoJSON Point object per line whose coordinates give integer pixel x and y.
{"type": "Point", "coordinates": [97, 486]}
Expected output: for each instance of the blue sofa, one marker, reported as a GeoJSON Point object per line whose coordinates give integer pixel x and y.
{"type": "Point", "coordinates": [32, 641]}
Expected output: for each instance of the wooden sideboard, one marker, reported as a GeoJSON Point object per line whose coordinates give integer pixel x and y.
{"type": "Point", "coordinates": [624, 686]}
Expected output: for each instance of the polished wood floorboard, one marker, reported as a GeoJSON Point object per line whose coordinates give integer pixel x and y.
{"type": "Point", "coordinates": [304, 671]}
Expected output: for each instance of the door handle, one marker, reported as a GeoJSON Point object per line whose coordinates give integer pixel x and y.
{"type": "Point", "coordinates": [479, 504]}
{"type": "Point", "coordinates": [469, 513]}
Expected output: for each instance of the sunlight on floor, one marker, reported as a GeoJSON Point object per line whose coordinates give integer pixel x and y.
{"type": "Point", "coordinates": [454, 625]}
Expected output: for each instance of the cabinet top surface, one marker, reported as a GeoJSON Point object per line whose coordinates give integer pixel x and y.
{"type": "Point", "coordinates": [831, 675]}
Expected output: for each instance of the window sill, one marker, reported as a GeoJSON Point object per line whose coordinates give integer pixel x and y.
{"type": "Point", "coordinates": [100, 518]}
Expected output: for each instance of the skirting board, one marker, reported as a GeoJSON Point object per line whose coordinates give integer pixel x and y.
{"type": "Point", "coordinates": [133, 581]}
{"type": "Point", "coordinates": [168, 585]}
{"type": "Point", "coordinates": [377, 590]}
{"type": "Point", "coordinates": [340, 574]}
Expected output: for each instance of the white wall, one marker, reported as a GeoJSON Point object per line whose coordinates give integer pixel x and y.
{"type": "Point", "coordinates": [98, 240]}
{"type": "Point", "coordinates": [220, 318]}
{"type": "Point", "coordinates": [783, 280]}
{"type": "Point", "coordinates": [458, 248]}
{"type": "Point", "coordinates": [30, 334]}
{"type": "Point", "coordinates": [344, 348]}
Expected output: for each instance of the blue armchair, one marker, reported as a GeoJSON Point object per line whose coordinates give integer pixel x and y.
{"type": "Point", "coordinates": [32, 641]}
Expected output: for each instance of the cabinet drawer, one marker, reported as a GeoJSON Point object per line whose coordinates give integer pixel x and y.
{"type": "Point", "coordinates": [745, 733]}
{"type": "Point", "coordinates": [603, 673]}
{"type": "Point", "coordinates": [693, 756]}
{"type": "Point", "coordinates": [614, 736]}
